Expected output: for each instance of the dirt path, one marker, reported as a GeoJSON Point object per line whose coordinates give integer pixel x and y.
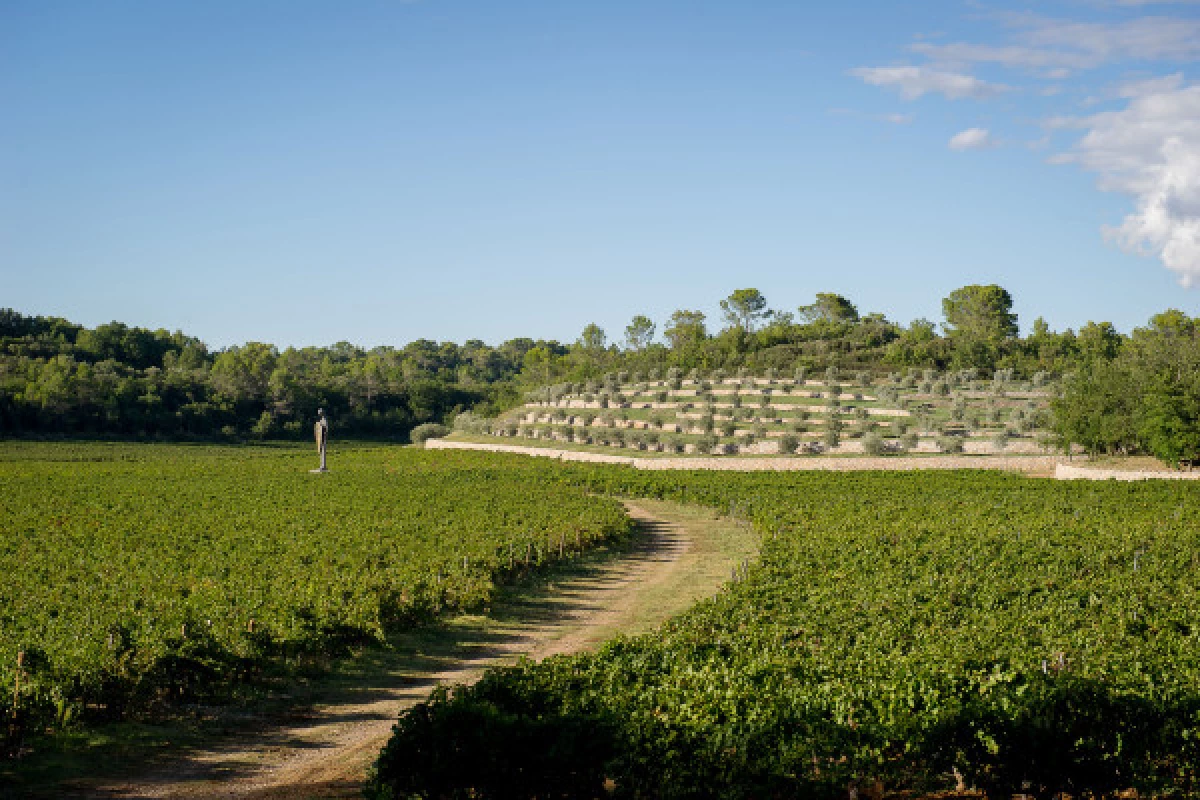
{"type": "Point", "coordinates": [681, 554]}
{"type": "Point", "coordinates": [1039, 465]}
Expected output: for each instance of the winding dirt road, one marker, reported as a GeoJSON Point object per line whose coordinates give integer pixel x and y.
{"type": "Point", "coordinates": [680, 555]}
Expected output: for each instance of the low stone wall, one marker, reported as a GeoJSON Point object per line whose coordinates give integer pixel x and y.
{"type": "Point", "coordinates": [1041, 465]}
{"type": "Point", "coordinates": [1070, 472]}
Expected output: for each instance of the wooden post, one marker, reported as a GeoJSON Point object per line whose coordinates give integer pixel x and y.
{"type": "Point", "coordinates": [17, 682]}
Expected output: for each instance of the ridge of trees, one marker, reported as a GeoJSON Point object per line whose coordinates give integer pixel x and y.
{"type": "Point", "coordinates": [1122, 393]}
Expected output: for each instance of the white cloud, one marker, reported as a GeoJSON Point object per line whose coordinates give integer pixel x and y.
{"type": "Point", "coordinates": [1150, 150]}
{"type": "Point", "coordinates": [1163, 83]}
{"type": "Point", "coordinates": [971, 139]}
{"type": "Point", "coordinates": [899, 119]}
{"type": "Point", "coordinates": [913, 82]}
{"type": "Point", "coordinates": [1056, 45]}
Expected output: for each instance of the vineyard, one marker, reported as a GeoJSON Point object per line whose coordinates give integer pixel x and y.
{"type": "Point", "coordinates": [142, 574]}
{"type": "Point", "coordinates": [912, 632]}
{"type": "Point", "coordinates": [837, 413]}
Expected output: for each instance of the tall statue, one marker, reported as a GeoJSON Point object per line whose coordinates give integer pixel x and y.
{"type": "Point", "coordinates": [321, 434]}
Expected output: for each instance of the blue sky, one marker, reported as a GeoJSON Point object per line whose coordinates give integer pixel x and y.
{"type": "Point", "coordinates": [307, 172]}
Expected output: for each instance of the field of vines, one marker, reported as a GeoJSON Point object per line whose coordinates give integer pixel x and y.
{"type": "Point", "coordinates": [903, 632]}
{"type": "Point", "coordinates": [134, 574]}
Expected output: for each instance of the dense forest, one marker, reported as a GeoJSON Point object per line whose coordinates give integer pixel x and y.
{"type": "Point", "coordinates": [1123, 393]}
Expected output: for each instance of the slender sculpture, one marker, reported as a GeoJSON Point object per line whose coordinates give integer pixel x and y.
{"type": "Point", "coordinates": [321, 434]}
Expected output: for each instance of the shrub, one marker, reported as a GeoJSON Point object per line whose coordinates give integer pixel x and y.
{"type": "Point", "coordinates": [728, 428]}
{"type": "Point", "coordinates": [1000, 440]}
{"type": "Point", "coordinates": [427, 430]}
{"type": "Point", "coordinates": [788, 443]}
{"type": "Point", "coordinates": [800, 376]}
{"type": "Point", "coordinates": [832, 437]}
{"type": "Point", "coordinates": [873, 444]}
{"type": "Point", "coordinates": [470, 422]}
{"type": "Point", "coordinates": [950, 444]}
{"type": "Point", "coordinates": [909, 441]}
{"type": "Point", "coordinates": [705, 444]}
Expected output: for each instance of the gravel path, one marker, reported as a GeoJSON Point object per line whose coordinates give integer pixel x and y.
{"type": "Point", "coordinates": [1068, 472]}
{"type": "Point", "coordinates": [1035, 465]}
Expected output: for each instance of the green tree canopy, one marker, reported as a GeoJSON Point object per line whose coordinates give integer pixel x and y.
{"type": "Point", "coordinates": [744, 309]}
{"type": "Point", "coordinates": [829, 307]}
{"type": "Point", "coordinates": [980, 313]}
{"type": "Point", "coordinates": [639, 332]}
{"type": "Point", "coordinates": [593, 338]}
{"type": "Point", "coordinates": [685, 328]}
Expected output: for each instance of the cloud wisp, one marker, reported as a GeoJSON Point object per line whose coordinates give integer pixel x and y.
{"type": "Point", "coordinates": [914, 82]}
{"type": "Point", "coordinates": [1059, 46]}
{"type": "Point", "coordinates": [971, 139]}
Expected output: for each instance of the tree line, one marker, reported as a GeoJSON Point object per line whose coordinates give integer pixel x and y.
{"type": "Point", "coordinates": [979, 332]}
{"type": "Point", "coordinates": [57, 377]}
{"type": "Point", "coordinates": [1123, 393]}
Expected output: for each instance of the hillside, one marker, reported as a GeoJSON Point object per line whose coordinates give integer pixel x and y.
{"type": "Point", "coordinates": [919, 412]}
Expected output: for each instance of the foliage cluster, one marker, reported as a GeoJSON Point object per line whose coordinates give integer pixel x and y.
{"type": "Point", "coordinates": [1033, 636]}
{"type": "Point", "coordinates": [136, 574]}
{"type": "Point", "coordinates": [1143, 396]}
{"type": "Point", "coordinates": [61, 378]}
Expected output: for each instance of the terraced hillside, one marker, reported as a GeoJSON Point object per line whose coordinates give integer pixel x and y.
{"type": "Point", "coordinates": [921, 412]}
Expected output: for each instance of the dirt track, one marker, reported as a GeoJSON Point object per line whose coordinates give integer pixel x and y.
{"type": "Point", "coordinates": [1033, 465]}
{"type": "Point", "coordinates": [328, 751]}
